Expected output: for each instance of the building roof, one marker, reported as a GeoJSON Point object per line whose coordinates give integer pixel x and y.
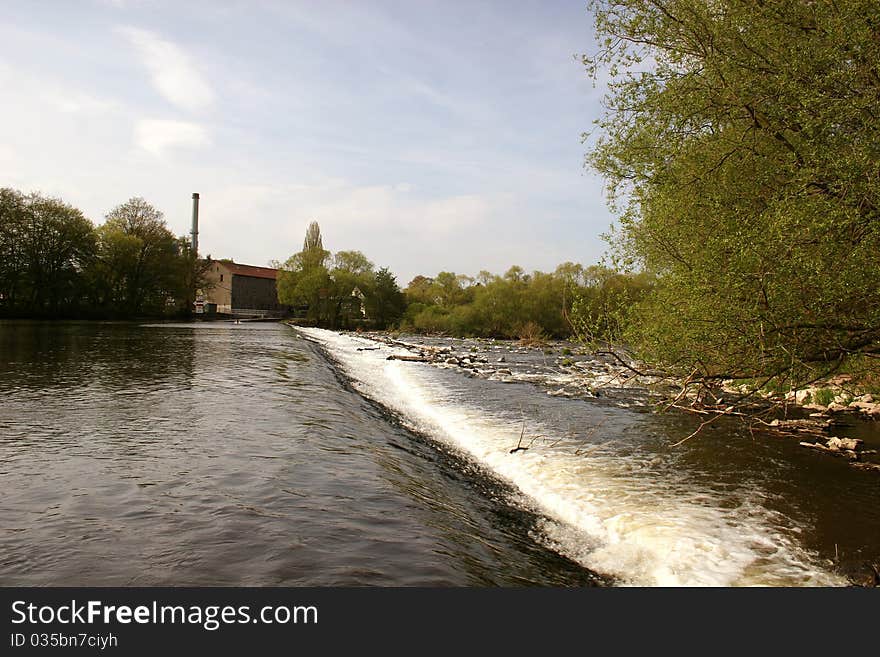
{"type": "Point", "coordinates": [250, 270]}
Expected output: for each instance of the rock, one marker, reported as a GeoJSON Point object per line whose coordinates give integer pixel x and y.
{"type": "Point", "coordinates": [866, 407]}
{"type": "Point", "coordinates": [502, 360]}
{"type": "Point", "coordinates": [843, 443]}
{"type": "Point", "coordinates": [451, 361]}
{"type": "Point", "coordinates": [800, 396]}
{"type": "Point", "coordinates": [867, 466]}
{"type": "Point", "coordinates": [505, 371]}
{"type": "Point", "coordinates": [834, 407]}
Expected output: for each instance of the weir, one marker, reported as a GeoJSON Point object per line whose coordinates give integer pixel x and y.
{"type": "Point", "coordinates": [617, 502]}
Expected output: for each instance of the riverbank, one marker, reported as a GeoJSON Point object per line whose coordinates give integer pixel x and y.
{"type": "Point", "coordinates": [846, 426]}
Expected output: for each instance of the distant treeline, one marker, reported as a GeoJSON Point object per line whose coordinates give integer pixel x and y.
{"type": "Point", "coordinates": [344, 290]}
{"type": "Point", "coordinates": [589, 302]}
{"type": "Point", "coordinates": [54, 262]}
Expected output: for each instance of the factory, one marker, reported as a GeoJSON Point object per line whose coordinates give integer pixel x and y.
{"type": "Point", "coordinates": [236, 289]}
{"type": "Point", "coordinates": [232, 288]}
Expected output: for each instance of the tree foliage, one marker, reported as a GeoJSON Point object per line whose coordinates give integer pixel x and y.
{"type": "Point", "coordinates": [337, 291]}
{"type": "Point", "coordinates": [140, 265]}
{"type": "Point", "coordinates": [741, 142]}
{"type": "Point", "coordinates": [571, 300]}
{"type": "Point", "coordinates": [45, 245]}
{"type": "Point", "coordinates": [387, 302]}
{"type": "Point", "coordinates": [54, 262]}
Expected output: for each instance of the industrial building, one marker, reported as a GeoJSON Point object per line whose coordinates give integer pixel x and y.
{"type": "Point", "coordinates": [232, 288]}
{"type": "Point", "coordinates": [237, 289]}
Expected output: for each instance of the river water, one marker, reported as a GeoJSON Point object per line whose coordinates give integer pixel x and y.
{"type": "Point", "coordinates": [259, 454]}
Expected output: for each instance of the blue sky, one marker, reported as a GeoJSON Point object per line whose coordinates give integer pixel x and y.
{"type": "Point", "coordinates": [429, 135]}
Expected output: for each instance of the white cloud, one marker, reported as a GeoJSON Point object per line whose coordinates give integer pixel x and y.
{"type": "Point", "coordinates": [357, 208]}
{"type": "Point", "coordinates": [173, 72]}
{"type": "Point", "coordinates": [52, 93]}
{"type": "Point", "coordinates": [77, 102]}
{"type": "Point", "coordinates": [7, 163]}
{"type": "Point", "coordinates": [392, 224]}
{"type": "Point", "coordinates": [156, 136]}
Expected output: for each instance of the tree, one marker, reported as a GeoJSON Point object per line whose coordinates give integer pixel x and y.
{"type": "Point", "coordinates": [13, 263]}
{"type": "Point", "coordinates": [313, 253]}
{"type": "Point", "coordinates": [387, 303]}
{"type": "Point", "coordinates": [45, 244]}
{"type": "Point", "coordinates": [313, 241]}
{"type": "Point", "coordinates": [740, 144]}
{"type": "Point", "coordinates": [139, 260]}
{"type": "Point", "coordinates": [352, 282]}
{"type": "Point", "coordinates": [304, 280]}
{"type": "Point", "coordinates": [419, 290]}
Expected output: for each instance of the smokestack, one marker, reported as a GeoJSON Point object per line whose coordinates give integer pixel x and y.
{"type": "Point", "coordinates": [195, 224]}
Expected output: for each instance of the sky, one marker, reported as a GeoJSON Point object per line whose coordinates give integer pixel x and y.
{"type": "Point", "coordinates": [432, 136]}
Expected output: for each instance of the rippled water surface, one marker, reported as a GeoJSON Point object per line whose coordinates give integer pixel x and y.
{"type": "Point", "coordinates": [256, 454]}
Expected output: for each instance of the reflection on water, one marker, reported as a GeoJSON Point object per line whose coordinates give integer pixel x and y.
{"type": "Point", "coordinates": [232, 454]}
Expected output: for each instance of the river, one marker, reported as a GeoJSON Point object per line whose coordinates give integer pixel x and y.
{"type": "Point", "coordinates": [260, 454]}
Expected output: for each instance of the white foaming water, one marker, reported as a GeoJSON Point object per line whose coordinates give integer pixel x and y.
{"type": "Point", "coordinates": [601, 510]}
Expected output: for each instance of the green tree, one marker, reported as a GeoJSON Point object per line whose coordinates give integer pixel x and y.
{"type": "Point", "coordinates": [741, 146]}
{"type": "Point", "coordinates": [419, 291]}
{"type": "Point", "coordinates": [304, 279]}
{"type": "Point", "coordinates": [45, 244]}
{"type": "Point", "coordinates": [13, 237]}
{"type": "Point", "coordinates": [140, 266]}
{"type": "Point", "coordinates": [387, 303]}
{"type": "Point", "coordinates": [352, 279]}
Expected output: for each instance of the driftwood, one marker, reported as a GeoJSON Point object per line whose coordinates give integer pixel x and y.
{"type": "Point", "coordinates": [842, 447]}
{"type": "Point", "coordinates": [519, 446]}
{"type": "Point", "coordinates": [410, 359]}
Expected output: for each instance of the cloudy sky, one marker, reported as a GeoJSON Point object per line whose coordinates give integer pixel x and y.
{"type": "Point", "coordinates": [429, 135]}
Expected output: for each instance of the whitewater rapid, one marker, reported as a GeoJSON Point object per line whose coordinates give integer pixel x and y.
{"type": "Point", "coordinates": [600, 508]}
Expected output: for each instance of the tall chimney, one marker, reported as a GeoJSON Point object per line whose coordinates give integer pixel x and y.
{"type": "Point", "coordinates": [195, 224]}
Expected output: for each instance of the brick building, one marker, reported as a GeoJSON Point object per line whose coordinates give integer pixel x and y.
{"type": "Point", "coordinates": [238, 289]}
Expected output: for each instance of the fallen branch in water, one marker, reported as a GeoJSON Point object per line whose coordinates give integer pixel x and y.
{"type": "Point", "coordinates": [409, 359]}
{"type": "Point", "coordinates": [699, 429]}
{"type": "Point", "coordinates": [519, 447]}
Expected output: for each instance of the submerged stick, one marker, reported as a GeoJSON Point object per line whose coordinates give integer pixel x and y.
{"type": "Point", "coordinates": [519, 447]}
